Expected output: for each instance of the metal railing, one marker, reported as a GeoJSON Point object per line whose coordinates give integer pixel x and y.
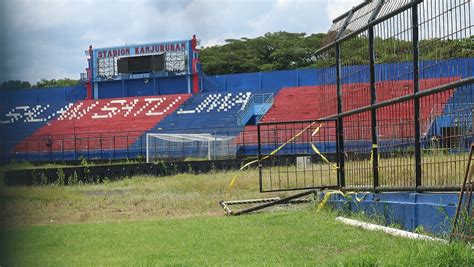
{"type": "Point", "coordinates": [265, 100]}
{"type": "Point", "coordinates": [265, 107]}
{"type": "Point", "coordinates": [102, 146]}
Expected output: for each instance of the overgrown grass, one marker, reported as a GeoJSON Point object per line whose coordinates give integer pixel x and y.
{"type": "Point", "coordinates": [176, 220]}
{"type": "Point", "coordinates": [438, 169]}
{"type": "Point", "coordinates": [296, 238]}
{"type": "Point", "coordinates": [137, 198]}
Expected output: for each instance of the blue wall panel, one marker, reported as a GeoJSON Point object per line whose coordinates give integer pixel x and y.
{"type": "Point", "coordinates": [53, 95]}
{"type": "Point", "coordinates": [111, 89]}
{"type": "Point", "coordinates": [243, 81]}
{"type": "Point", "coordinates": [172, 85]}
{"type": "Point", "coordinates": [41, 95]}
{"type": "Point", "coordinates": [307, 77]}
{"type": "Point", "coordinates": [140, 87]}
{"type": "Point", "coordinates": [275, 80]}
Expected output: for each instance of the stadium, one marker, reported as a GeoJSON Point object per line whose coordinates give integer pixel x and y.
{"type": "Point", "coordinates": [387, 137]}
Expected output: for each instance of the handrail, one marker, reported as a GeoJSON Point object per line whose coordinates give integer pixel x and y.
{"type": "Point", "coordinates": [269, 101]}
{"type": "Point", "coordinates": [246, 109]}
{"type": "Point", "coordinates": [255, 99]}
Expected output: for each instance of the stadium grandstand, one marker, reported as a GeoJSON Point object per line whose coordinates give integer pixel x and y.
{"type": "Point", "coordinates": [104, 118]}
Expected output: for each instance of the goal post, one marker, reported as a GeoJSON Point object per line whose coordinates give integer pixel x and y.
{"type": "Point", "coordinates": [160, 146]}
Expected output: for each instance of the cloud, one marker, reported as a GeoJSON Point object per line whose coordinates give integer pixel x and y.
{"type": "Point", "coordinates": [336, 8]}
{"type": "Point", "coordinates": [47, 38]}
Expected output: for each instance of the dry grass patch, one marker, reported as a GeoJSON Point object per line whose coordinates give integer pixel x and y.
{"type": "Point", "coordinates": [137, 198]}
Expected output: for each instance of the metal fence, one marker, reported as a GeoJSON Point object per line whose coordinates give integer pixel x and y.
{"type": "Point", "coordinates": [297, 155]}
{"type": "Point", "coordinates": [112, 146]}
{"type": "Point", "coordinates": [408, 127]}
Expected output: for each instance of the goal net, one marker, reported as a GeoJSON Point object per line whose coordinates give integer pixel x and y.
{"type": "Point", "coordinates": [196, 146]}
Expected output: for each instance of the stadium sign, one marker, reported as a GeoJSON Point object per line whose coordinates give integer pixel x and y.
{"type": "Point", "coordinates": [141, 49]}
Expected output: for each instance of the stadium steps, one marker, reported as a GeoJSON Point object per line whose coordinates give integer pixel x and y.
{"type": "Point", "coordinates": [456, 112]}
{"type": "Point", "coordinates": [204, 113]}
{"type": "Point", "coordinates": [101, 124]}
{"type": "Point", "coordinates": [19, 121]}
{"type": "Point", "coordinates": [314, 102]}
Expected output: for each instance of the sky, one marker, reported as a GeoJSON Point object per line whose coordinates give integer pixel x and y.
{"type": "Point", "coordinates": [47, 38]}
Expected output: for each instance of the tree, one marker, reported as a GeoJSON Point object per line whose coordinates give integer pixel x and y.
{"type": "Point", "coordinates": [43, 83]}
{"type": "Point", "coordinates": [14, 84]}
{"type": "Point", "coordinates": [286, 51]}
{"type": "Point", "coordinates": [273, 51]}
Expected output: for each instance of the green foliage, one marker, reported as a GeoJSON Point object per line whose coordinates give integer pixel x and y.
{"type": "Point", "coordinates": [14, 84]}
{"type": "Point", "coordinates": [87, 176]}
{"type": "Point", "coordinates": [74, 179]}
{"type": "Point", "coordinates": [190, 169]}
{"type": "Point", "coordinates": [44, 179]}
{"type": "Point", "coordinates": [43, 83]}
{"type": "Point", "coordinates": [287, 51]}
{"type": "Point", "coordinates": [164, 167]}
{"type": "Point", "coordinates": [84, 162]}
{"type": "Point", "coordinates": [61, 177]}
{"type": "Point", "coordinates": [213, 168]}
{"type": "Point", "coordinates": [420, 229]}
{"type": "Point", "coordinates": [273, 51]}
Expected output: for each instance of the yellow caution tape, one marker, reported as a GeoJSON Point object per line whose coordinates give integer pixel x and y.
{"type": "Point", "coordinates": [316, 130]}
{"type": "Point", "coordinates": [374, 146]}
{"type": "Point", "coordinates": [328, 195]}
{"type": "Point", "coordinates": [334, 166]}
{"type": "Point", "coordinates": [232, 182]}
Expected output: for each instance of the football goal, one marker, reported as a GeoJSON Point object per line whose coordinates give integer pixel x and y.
{"type": "Point", "coordinates": [160, 146]}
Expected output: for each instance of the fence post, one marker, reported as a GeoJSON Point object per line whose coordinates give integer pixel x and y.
{"type": "Point", "coordinates": [260, 178]}
{"type": "Point", "coordinates": [373, 99]}
{"type": "Point", "coordinates": [416, 86]}
{"type": "Point", "coordinates": [340, 128]}
{"type": "Point", "coordinates": [373, 111]}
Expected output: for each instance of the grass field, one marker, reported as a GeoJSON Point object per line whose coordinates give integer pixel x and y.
{"type": "Point", "coordinates": [176, 221]}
